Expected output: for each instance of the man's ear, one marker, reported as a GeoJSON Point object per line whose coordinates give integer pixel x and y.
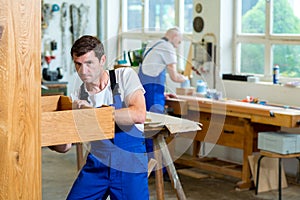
{"type": "Point", "coordinates": [103, 60]}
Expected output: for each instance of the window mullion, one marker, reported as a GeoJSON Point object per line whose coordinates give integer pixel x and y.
{"type": "Point", "coordinates": [236, 30]}
{"type": "Point", "coordinates": [267, 42]}
{"type": "Point", "coordinates": [145, 15]}
{"type": "Point", "coordinates": [179, 18]}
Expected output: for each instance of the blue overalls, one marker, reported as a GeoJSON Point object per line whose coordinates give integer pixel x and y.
{"type": "Point", "coordinates": [155, 99]}
{"type": "Point", "coordinates": [116, 167]}
{"type": "Point", "coordinates": [154, 86]}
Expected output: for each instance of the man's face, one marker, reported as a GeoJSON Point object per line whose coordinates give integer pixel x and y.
{"type": "Point", "coordinates": [89, 67]}
{"type": "Point", "coordinates": [176, 41]}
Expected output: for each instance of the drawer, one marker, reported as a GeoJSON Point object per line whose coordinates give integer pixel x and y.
{"type": "Point", "coordinates": [226, 131]}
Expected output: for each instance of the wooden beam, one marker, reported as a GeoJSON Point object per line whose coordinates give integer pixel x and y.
{"type": "Point", "coordinates": [61, 124]}
{"type": "Point", "coordinates": [189, 65]}
{"type": "Point", "coordinates": [20, 77]}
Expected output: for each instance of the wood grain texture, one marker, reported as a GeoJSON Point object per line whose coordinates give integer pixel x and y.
{"type": "Point", "coordinates": [76, 126]}
{"type": "Point", "coordinates": [62, 125]}
{"type": "Point", "coordinates": [20, 60]}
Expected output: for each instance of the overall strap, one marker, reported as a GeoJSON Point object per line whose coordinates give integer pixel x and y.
{"type": "Point", "coordinates": [146, 53]}
{"type": "Point", "coordinates": [114, 87]}
{"type": "Point", "coordinates": [112, 76]}
{"type": "Point", "coordinates": [83, 93]}
{"type": "Point", "coordinates": [113, 84]}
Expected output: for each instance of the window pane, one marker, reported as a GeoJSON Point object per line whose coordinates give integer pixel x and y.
{"type": "Point", "coordinates": [286, 17]}
{"type": "Point", "coordinates": [134, 14]}
{"type": "Point", "coordinates": [161, 14]}
{"type": "Point", "coordinates": [252, 58]}
{"type": "Point", "coordinates": [288, 59]}
{"type": "Point", "coordinates": [253, 16]}
{"type": "Point", "coordinates": [188, 16]}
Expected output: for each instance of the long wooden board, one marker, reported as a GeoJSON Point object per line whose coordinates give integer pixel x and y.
{"type": "Point", "coordinates": [60, 124]}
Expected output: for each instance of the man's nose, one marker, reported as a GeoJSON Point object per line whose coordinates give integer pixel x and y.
{"type": "Point", "coordinates": [83, 69]}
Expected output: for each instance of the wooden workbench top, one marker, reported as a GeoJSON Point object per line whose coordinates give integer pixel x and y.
{"type": "Point", "coordinates": [267, 114]}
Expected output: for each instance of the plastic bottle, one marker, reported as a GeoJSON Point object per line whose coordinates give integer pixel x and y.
{"type": "Point", "coordinates": [275, 74]}
{"type": "Point", "coordinates": [186, 84]}
{"type": "Point", "coordinates": [201, 87]}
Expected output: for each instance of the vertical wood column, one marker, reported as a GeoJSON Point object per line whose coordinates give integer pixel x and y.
{"type": "Point", "coordinates": [20, 82]}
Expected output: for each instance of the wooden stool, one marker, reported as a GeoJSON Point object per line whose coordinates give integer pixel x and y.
{"type": "Point", "coordinates": [279, 156]}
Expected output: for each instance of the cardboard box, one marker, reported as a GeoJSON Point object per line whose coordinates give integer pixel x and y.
{"type": "Point", "coordinates": [279, 142]}
{"type": "Point", "coordinates": [185, 91]}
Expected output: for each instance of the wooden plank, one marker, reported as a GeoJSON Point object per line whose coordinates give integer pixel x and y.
{"type": "Point", "coordinates": [74, 126]}
{"type": "Point", "coordinates": [215, 165]}
{"type": "Point", "coordinates": [268, 178]}
{"type": "Point", "coordinates": [159, 183]}
{"type": "Point", "coordinates": [188, 65]}
{"type": "Point", "coordinates": [55, 103]}
{"type": "Point", "coordinates": [20, 76]}
{"type": "Point", "coordinates": [277, 155]}
{"type": "Point", "coordinates": [168, 162]}
{"type": "Point", "coordinates": [50, 103]}
{"type": "Point", "coordinates": [192, 172]}
{"type": "Point", "coordinates": [151, 164]}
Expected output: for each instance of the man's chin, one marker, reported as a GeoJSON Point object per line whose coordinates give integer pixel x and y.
{"type": "Point", "coordinates": [85, 80]}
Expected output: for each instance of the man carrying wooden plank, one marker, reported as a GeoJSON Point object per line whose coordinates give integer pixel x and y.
{"type": "Point", "coordinates": [115, 167]}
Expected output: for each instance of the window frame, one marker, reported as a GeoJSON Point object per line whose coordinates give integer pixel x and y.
{"type": "Point", "coordinates": [145, 35]}
{"type": "Point", "coordinates": [267, 39]}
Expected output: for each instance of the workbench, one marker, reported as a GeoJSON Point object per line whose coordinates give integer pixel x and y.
{"type": "Point", "coordinates": [54, 88]}
{"type": "Point", "coordinates": [233, 124]}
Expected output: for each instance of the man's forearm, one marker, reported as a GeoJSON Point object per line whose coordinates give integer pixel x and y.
{"type": "Point", "coordinates": [129, 116]}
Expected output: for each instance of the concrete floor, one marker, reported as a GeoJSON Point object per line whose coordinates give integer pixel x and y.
{"type": "Point", "coordinates": [60, 170]}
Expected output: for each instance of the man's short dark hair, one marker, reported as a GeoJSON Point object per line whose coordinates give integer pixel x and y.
{"type": "Point", "coordinates": [86, 44]}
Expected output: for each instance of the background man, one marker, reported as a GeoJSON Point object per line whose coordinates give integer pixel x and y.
{"type": "Point", "coordinates": [159, 58]}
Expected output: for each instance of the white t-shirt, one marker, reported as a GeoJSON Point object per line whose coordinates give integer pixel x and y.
{"type": "Point", "coordinates": [158, 58]}
{"type": "Point", "coordinates": [128, 81]}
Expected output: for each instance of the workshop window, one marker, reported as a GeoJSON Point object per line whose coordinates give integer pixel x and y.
{"type": "Point", "coordinates": [268, 33]}
{"type": "Point", "coordinates": [134, 14]}
{"type": "Point", "coordinates": [188, 16]}
{"type": "Point", "coordinates": [157, 15]}
{"type": "Point", "coordinates": [152, 18]}
{"type": "Point", "coordinates": [161, 14]}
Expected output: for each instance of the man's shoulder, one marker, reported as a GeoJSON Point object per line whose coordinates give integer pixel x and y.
{"type": "Point", "coordinates": [125, 73]}
{"type": "Point", "coordinates": [122, 70]}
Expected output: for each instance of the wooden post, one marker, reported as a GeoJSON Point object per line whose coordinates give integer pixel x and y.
{"type": "Point", "coordinates": [20, 91]}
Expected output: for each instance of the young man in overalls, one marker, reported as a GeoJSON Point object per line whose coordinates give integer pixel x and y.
{"type": "Point", "coordinates": [118, 167]}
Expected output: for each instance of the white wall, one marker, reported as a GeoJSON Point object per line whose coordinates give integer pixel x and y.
{"type": "Point", "coordinates": [111, 28]}
{"type": "Point", "coordinates": [218, 18]}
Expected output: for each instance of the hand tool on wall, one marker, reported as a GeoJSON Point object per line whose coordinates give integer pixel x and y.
{"type": "Point", "coordinates": [64, 29]}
